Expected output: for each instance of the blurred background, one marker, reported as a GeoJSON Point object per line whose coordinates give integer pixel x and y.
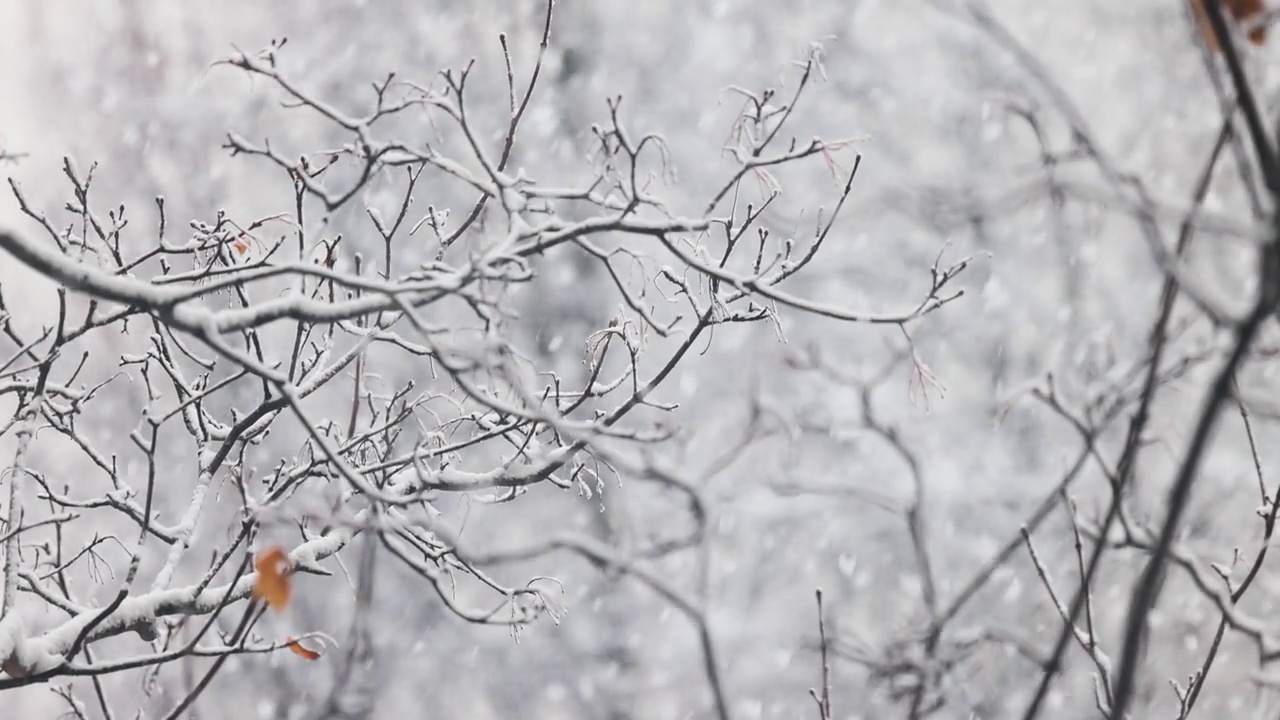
{"type": "Point", "coordinates": [801, 495]}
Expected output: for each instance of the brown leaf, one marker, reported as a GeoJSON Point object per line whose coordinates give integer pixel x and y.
{"type": "Point", "coordinates": [13, 668]}
{"type": "Point", "coordinates": [302, 651]}
{"type": "Point", "coordinates": [1244, 12]}
{"type": "Point", "coordinates": [274, 583]}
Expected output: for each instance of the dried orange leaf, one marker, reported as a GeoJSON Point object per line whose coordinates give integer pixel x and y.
{"type": "Point", "coordinates": [274, 584]}
{"type": "Point", "coordinates": [302, 651]}
{"type": "Point", "coordinates": [1246, 12]}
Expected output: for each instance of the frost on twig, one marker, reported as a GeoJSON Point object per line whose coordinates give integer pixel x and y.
{"type": "Point", "coordinates": [288, 381]}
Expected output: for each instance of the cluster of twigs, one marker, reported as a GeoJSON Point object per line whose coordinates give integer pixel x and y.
{"type": "Point", "coordinates": [246, 342]}
{"type": "Point", "coordinates": [1114, 423]}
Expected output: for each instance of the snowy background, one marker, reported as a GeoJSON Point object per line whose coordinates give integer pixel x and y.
{"type": "Point", "coordinates": [1061, 286]}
